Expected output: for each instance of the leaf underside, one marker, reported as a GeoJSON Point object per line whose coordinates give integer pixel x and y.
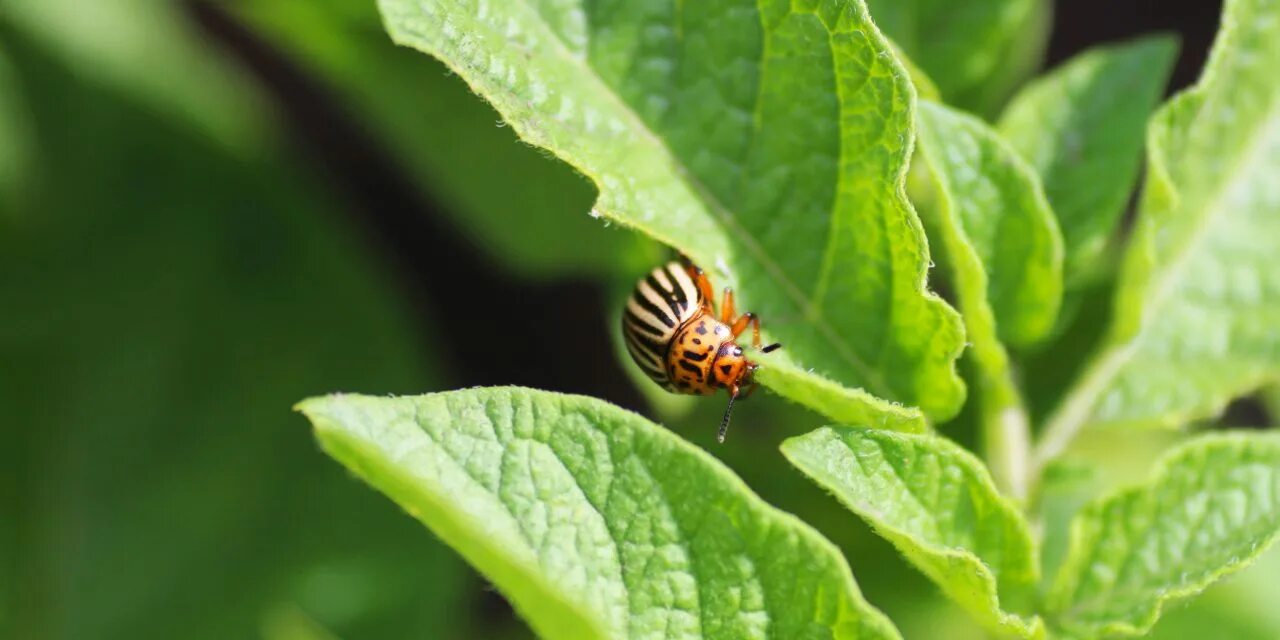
{"type": "Point", "coordinates": [767, 141]}
{"type": "Point", "coordinates": [594, 522]}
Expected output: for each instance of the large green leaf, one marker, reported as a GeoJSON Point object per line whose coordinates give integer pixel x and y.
{"type": "Point", "coordinates": [975, 51]}
{"type": "Point", "coordinates": [936, 503]}
{"type": "Point", "coordinates": [768, 143]}
{"type": "Point", "coordinates": [159, 314]}
{"type": "Point", "coordinates": [1210, 509]}
{"type": "Point", "coordinates": [447, 139]}
{"type": "Point", "coordinates": [593, 521]}
{"type": "Point", "coordinates": [1005, 256]}
{"type": "Point", "coordinates": [997, 226]}
{"type": "Point", "coordinates": [1081, 126]}
{"type": "Point", "coordinates": [1199, 296]}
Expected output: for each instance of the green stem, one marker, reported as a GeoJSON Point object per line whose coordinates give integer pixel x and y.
{"type": "Point", "coordinates": [1006, 432]}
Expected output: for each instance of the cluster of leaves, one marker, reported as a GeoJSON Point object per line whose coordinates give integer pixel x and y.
{"type": "Point", "coordinates": [773, 141]}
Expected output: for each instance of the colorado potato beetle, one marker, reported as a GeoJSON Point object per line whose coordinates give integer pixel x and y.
{"type": "Point", "coordinates": [673, 334]}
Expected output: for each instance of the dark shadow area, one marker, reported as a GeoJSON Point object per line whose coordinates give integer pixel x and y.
{"type": "Point", "coordinates": [1245, 413]}
{"type": "Point", "coordinates": [1081, 24]}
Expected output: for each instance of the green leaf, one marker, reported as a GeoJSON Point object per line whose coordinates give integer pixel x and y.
{"type": "Point", "coordinates": [1081, 126]}
{"type": "Point", "coordinates": [976, 51]}
{"type": "Point", "coordinates": [770, 146]}
{"type": "Point", "coordinates": [836, 401]}
{"type": "Point", "coordinates": [1212, 506]}
{"type": "Point", "coordinates": [1198, 299]}
{"type": "Point", "coordinates": [594, 522]}
{"type": "Point", "coordinates": [936, 503]}
{"type": "Point", "coordinates": [1004, 254]}
{"type": "Point", "coordinates": [997, 227]}
{"type": "Point", "coordinates": [449, 141]}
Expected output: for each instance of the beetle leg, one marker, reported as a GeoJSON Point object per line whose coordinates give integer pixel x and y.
{"type": "Point", "coordinates": [727, 309]}
{"type": "Point", "coordinates": [701, 281]}
{"type": "Point", "coordinates": [741, 323]}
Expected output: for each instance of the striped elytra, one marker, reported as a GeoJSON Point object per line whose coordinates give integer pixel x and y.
{"type": "Point", "coordinates": [659, 306]}
{"type": "Point", "coordinates": [671, 331]}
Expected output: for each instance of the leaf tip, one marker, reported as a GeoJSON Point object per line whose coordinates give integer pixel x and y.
{"type": "Point", "coordinates": [316, 405]}
{"type": "Point", "coordinates": [305, 405]}
{"type": "Point", "coordinates": [323, 411]}
{"type": "Point", "coordinates": [1164, 44]}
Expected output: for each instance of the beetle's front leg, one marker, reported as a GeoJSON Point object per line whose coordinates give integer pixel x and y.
{"type": "Point", "coordinates": [741, 323]}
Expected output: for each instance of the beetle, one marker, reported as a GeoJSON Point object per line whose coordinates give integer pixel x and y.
{"type": "Point", "coordinates": [674, 335]}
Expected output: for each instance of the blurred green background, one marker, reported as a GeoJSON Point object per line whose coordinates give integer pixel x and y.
{"type": "Point", "coordinates": [209, 211]}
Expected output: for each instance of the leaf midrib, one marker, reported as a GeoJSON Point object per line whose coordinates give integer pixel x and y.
{"type": "Point", "coordinates": [808, 308]}
{"type": "Point", "coordinates": [617, 539]}
{"type": "Point", "coordinates": [1163, 287]}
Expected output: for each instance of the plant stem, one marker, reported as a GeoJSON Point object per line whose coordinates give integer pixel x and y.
{"type": "Point", "coordinates": [1006, 433]}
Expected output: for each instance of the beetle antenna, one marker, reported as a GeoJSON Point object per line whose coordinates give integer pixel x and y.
{"type": "Point", "coordinates": [724, 424]}
{"type": "Point", "coordinates": [773, 347]}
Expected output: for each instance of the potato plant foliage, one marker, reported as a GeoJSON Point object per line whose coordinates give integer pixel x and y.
{"type": "Point", "coordinates": [792, 149]}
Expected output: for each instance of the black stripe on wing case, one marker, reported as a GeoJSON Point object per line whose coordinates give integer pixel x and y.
{"type": "Point", "coordinates": [643, 302]}
{"type": "Point", "coordinates": [668, 296]}
{"type": "Point", "coordinates": [681, 296]}
{"type": "Point", "coordinates": [634, 321]}
{"type": "Point", "coordinates": [688, 290]}
{"type": "Point", "coordinates": [651, 365]}
{"type": "Point", "coordinates": [657, 349]}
